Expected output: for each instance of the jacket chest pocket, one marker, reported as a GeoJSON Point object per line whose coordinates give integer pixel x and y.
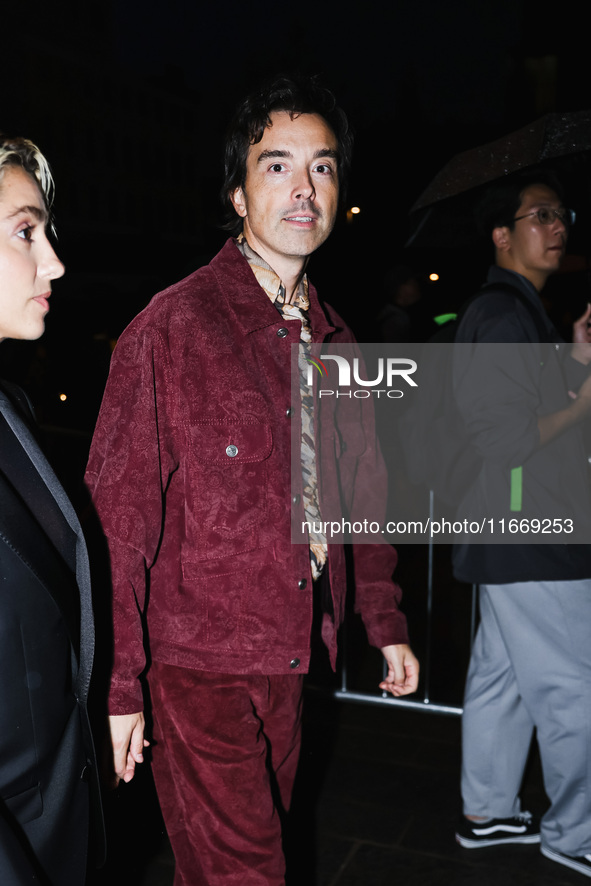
{"type": "Point", "coordinates": [228, 475]}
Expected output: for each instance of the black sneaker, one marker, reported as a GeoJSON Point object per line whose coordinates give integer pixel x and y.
{"type": "Point", "coordinates": [580, 863]}
{"type": "Point", "coordinates": [523, 828]}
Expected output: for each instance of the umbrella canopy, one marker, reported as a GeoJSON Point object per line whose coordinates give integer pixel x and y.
{"type": "Point", "coordinates": [443, 214]}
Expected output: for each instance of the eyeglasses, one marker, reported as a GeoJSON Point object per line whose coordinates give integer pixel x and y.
{"type": "Point", "coordinates": [548, 215]}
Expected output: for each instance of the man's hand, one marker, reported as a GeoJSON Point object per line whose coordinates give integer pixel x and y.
{"type": "Point", "coordinates": [551, 426]}
{"type": "Point", "coordinates": [403, 670]}
{"type": "Point", "coordinates": [128, 743]}
{"type": "Point", "coordinates": [581, 349]}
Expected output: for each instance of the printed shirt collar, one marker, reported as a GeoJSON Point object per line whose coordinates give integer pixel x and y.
{"type": "Point", "coordinates": [269, 281]}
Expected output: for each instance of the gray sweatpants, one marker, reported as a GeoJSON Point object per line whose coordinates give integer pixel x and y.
{"type": "Point", "coordinates": [531, 667]}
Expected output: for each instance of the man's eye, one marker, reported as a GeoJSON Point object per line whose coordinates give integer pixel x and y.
{"type": "Point", "coordinates": [324, 168]}
{"type": "Point", "coordinates": [277, 167]}
{"type": "Point", "coordinates": [546, 216]}
{"type": "Point", "coordinates": [26, 233]}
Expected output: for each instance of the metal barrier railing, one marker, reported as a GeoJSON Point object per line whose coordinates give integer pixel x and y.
{"type": "Point", "coordinates": [426, 703]}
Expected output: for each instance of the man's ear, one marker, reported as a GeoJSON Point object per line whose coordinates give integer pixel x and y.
{"type": "Point", "coordinates": [502, 238]}
{"type": "Point", "coordinates": [239, 202]}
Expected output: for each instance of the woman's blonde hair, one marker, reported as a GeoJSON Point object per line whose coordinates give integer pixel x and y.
{"type": "Point", "coordinates": [20, 152]}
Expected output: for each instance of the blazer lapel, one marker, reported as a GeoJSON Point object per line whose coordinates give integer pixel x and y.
{"type": "Point", "coordinates": [21, 532]}
{"type": "Point", "coordinates": [31, 447]}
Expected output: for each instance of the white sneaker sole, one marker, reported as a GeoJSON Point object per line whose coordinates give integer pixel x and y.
{"type": "Point", "coordinates": [567, 862]}
{"type": "Point", "coordinates": [466, 843]}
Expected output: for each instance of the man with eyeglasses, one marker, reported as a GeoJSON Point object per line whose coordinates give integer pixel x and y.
{"type": "Point", "coordinates": [530, 666]}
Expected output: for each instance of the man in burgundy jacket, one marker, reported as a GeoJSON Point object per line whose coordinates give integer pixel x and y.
{"type": "Point", "coordinates": [190, 474]}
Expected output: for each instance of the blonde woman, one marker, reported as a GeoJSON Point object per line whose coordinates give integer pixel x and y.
{"type": "Point", "coordinates": [46, 626]}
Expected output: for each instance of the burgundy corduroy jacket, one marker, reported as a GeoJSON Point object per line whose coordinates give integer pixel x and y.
{"type": "Point", "coordinates": [200, 540]}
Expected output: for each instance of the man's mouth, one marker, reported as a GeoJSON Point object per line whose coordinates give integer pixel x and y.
{"type": "Point", "coordinates": [302, 220]}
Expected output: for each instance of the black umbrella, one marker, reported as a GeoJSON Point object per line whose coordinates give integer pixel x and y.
{"type": "Point", "coordinates": [443, 214]}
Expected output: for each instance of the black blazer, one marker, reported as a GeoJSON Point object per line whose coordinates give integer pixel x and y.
{"type": "Point", "coordinates": [46, 650]}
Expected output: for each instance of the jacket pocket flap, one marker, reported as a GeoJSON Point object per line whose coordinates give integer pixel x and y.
{"type": "Point", "coordinates": [26, 806]}
{"type": "Point", "coordinates": [225, 443]}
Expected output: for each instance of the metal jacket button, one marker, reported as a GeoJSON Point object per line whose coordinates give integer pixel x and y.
{"type": "Point", "coordinates": [296, 498]}
{"type": "Point", "coordinates": [282, 332]}
{"type": "Point", "coordinates": [294, 663]}
{"type": "Point", "coordinates": [289, 412]}
{"type": "Point", "coordinates": [302, 583]}
{"type": "Point", "coordinates": [231, 450]}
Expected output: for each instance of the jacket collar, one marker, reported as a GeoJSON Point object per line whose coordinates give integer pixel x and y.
{"type": "Point", "coordinates": [249, 304]}
{"type": "Point", "coordinates": [525, 286]}
{"type": "Point", "coordinates": [504, 275]}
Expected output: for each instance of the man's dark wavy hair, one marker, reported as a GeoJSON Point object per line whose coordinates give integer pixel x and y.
{"type": "Point", "coordinates": [501, 201]}
{"type": "Point", "coordinates": [253, 115]}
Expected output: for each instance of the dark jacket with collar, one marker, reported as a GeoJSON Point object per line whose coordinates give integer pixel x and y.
{"type": "Point", "coordinates": [500, 406]}
{"type": "Point", "coordinates": [208, 364]}
{"type": "Point", "coordinates": [46, 651]}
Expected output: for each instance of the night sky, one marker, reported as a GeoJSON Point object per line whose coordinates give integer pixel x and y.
{"type": "Point", "coordinates": [129, 100]}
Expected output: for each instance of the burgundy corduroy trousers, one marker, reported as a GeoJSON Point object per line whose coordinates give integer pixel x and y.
{"type": "Point", "coordinates": [225, 757]}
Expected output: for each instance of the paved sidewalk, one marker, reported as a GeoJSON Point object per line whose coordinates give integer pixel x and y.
{"type": "Point", "coordinates": [375, 805]}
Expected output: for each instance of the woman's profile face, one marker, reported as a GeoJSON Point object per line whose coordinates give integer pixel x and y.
{"type": "Point", "coordinates": [28, 263]}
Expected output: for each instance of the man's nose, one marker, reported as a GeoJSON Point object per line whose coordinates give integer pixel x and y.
{"type": "Point", "coordinates": [560, 225]}
{"type": "Point", "coordinates": [304, 187]}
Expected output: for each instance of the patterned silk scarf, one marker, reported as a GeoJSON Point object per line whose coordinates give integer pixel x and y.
{"type": "Point", "coordinates": [298, 309]}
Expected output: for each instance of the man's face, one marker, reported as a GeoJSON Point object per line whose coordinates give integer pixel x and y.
{"type": "Point", "coordinates": [28, 263]}
{"type": "Point", "coordinates": [532, 249]}
{"type": "Point", "coordinates": [289, 200]}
